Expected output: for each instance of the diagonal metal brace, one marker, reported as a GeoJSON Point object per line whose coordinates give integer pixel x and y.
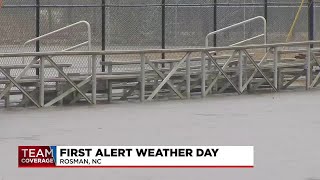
{"type": "Point", "coordinates": [316, 80]}
{"type": "Point", "coordinates": [222, 71]}
{"type": "Point", "coordinates": [66, 93]}
{"type": "Point", "coordinates": [19, 87]}
{"type": "Point", "coordinates": [68, 79]}
{"type": "Point", "coordinates": [256, 71]}
{"type": "Point", "coordinates": [219, 74]}
{"type": "Point", "coordinates": [259, 69]}
{"type": "Point", "coordinates": [175, 68]}
{"type": "Point", "coordinates": [160, 74]}
{"type": "Point", "coordinates": [129, 92]}
{"type": "Point", "coordinates": [297, 76]}
{"type": "Point", "coordinates": [7, 89]}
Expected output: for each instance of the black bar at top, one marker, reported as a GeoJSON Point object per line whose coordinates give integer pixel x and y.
{"type": "Point", "coordinates": [215, 22]}
{"type": "Point", "coordinates": [311, 20]}
{"type": "Point", "coordinates": [266, 12]}
{"type": "Point", "coordinates": [37, 29]}
{"type": "Point", "coordinates": [103, 32]}
{"type": "Point", "coordinates": [163, 26]}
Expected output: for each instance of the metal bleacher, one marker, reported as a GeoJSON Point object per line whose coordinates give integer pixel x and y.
{"type": "Point", "coordinates": [194, 72]}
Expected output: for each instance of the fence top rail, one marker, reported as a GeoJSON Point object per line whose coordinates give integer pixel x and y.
{"type": "Point", "coordinates": [148, 51]}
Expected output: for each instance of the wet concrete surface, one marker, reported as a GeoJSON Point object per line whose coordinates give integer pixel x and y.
{"type": "Point", "coordinates": [284, 128]}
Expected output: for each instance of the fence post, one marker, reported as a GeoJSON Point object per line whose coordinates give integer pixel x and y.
{"type": "Point", "coordinates": [311, 21]}
{"type": "Point", "coordinates": [266, 9]}
{"type": "Point", "coordinates": [37, 29]}
{"type": "Point", "coordinates": [103, 32]}
{"type": "Point", "coordinates": [163, 33]}
{"type": "Point", "coordinates": [266, 16]}
{"type": "Point", "coordinates": [215, 22]}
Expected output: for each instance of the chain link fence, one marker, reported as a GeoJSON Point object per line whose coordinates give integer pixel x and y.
{"type": "Point", "coordinates": [145, 24]}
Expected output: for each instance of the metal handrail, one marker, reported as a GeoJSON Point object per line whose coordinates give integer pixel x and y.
{"type": "Point", "coordinates": [239, 24]}
{"type": "Point", "coordinates": [89, 42]}
{"type": "Point", "coordinates": [123, 52]}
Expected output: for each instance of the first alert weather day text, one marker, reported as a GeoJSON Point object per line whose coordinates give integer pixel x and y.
{"type": "Point", "coordinates": [144, 156]}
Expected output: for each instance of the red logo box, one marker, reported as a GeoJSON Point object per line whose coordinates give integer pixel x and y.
{"type": "Point", "coordinates": [35, 156]}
